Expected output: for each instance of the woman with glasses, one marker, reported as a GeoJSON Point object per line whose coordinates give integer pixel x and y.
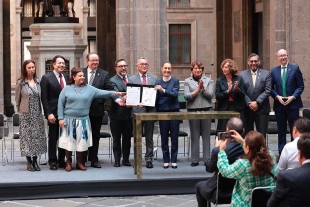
{"type": "Point", "coordinates": [229, 91]}
{"type": "Point", "coordinates": [198, 92]}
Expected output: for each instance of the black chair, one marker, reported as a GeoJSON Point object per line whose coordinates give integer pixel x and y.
{"type": "Point", "coordinates": [2, 127]}
{"type": "Point", "coordinates": [15, 128]}
{"type": "Point", "coordinates": [306, 113]}
{"type": "Point", "coordinates": [104, 134]}
{"type": "Point", "coordinates": [223, 188]}
{"type": "Point", "coordinates": [260, 196]}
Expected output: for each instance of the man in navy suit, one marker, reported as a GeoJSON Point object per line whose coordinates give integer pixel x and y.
{"type": "Point", "coordinates": [292, 187]}
{"type": "Point", "coordinates": [100, 79]}
{"type": "Point", "coordinates": [120, 116]}
{"type": "Point", "coordinates": [51, 86]}
{"type": "Point", "coordinates": [257, 87]}
{"type": "Point", "coordinates": [287, 85]}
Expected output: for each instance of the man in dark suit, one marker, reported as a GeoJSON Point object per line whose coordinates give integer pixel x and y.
{"type": "Point", "coordinates": [120, 116]}
{"type": "Point", "coordinates": [257, 87]}
{"type": "Point", "coordinates": [287, 85]}
{"type": "Point", "coordinates": [98, 78]}
{"type": "Point", "coordinates": [51, 86]}
{"type": "Point", "coordinates": [146, 79]}
{"type": "Point", "coordinates": [292, 187]}
{"type": "Point", "coordinates": [206, 190]}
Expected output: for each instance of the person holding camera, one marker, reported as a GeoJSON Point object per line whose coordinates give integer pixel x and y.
{"type": "Point", "coordinates": [198, 92]}
{"type": "Point", "coordinates": [206, 190]}
{"type": "Point", "coordinates": [256, 169]}
{"type": "Point", "coordinates": [287, 85]}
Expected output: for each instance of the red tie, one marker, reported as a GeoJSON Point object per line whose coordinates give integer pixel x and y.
{"type": "Point", "coordinates": [125, 80]}
{"type": "Point", "coordinates": [143, 79]}
{"type": "Point", "coordinates": [62, 85]}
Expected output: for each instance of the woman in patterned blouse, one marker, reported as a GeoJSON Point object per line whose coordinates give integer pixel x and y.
{"type": "Point", "coordinates": [256, 169]}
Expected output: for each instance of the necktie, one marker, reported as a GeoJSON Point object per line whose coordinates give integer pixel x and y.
{"type": "Point", "coordinates": [91, 79]}
{"type": "Point", "coordinates": [284, 81]}
{"type": "Point", "coordinates": [143, 79]}
{"type": "Point", "coordinates": [125, 80]}
{"type": "Point", "coordinates": [254, 78]}
{"type": "Point", "coordinates": [62, 85]}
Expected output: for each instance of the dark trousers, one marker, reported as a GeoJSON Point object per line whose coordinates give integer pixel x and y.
{"type": "Point", "coordinates": [148, 131]}
{"type": "Point", "coordinates": [53, 136]}
{"type": "Point", "coordinates": [261, 121]}
{"type": "Point", "coordinates": [284, 116]}
{"type": "Point", "coordinates": [171, 126]}
{"type": "Point", "coordinates": [95, 122]}
{"type": "Point", "coordinates": [121, 132]}
{"type": "Point", "coordinates": [203, 193]}
{"type": "Point", "coordinates": [221, 125]}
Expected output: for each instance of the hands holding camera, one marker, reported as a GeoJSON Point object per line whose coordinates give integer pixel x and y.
{"type": "Point", "coordinates": [233, 136]}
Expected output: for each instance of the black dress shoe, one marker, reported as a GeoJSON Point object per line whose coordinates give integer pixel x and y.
{"type": "Point", "coordinates": [194, 164]}
{"type": "Point", "coordinates": [149, 164]}
{"type": "Point", "coordinates": [53, 166]}
{"type": "Point", "coordinates": [117, 163]}
{"type": "Point", "coordinates": [126, 163]}
{"type": "Point", "coordinates": [61, 164]}
{"type": "Point", "coordinates": [95, 165]}
{"type": "Point", "coordinates": [166, 166]}
{"type": "Point", "coordinates": [174, 165]}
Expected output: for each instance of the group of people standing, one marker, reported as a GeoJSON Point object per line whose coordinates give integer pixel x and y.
{"type": "Point", "coordinates": [75, 112]}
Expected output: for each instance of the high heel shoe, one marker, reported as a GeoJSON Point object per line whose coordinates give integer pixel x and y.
{"type": "Point", "coordinates": [166, 165]}
{"type": "Point", "coordinates": [174, 165]}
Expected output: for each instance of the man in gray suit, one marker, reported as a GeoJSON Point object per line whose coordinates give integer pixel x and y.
{"type": "Point", "coordinates": [146, 79]}
{"type": "Point", "coordinates": [120, 116]}
{"type": "Point", "coordinates": [257, 86]}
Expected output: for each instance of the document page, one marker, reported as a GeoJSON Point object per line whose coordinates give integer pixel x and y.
{"type": "Point", "coordinates": [148, 96]}
{"type": "Point", "coordinates": [133, 95]}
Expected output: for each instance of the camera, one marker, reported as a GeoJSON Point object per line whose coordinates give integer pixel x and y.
{"type": "Point", "coordinates": [224, 135]}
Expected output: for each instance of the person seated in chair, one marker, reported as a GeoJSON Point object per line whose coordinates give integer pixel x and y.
{"type": "Point", "coordinates": [206, 190]}
{"type": "Point", "coordinates": [292, 187]}
{"type": "Point", "coordinates": [289, 156]}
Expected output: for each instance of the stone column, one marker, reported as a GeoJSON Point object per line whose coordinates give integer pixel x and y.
{"type": "Point", "coordinates": [8, 106]}
{"type": "Point", "coordinates": [1, 58]}
{"type": "Point", "coordinates": [142, 31]}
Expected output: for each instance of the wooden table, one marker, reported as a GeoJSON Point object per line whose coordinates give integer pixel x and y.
{"type": "Point", "coordinates": [139, 117]}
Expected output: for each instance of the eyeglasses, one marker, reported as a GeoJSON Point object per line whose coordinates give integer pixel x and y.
{"type": "Point", "coordinates": [284, 55]}
{"type": "Point", "coordinates": [253, 61]}
{"type": "Point", "coordinates": [122, 66]}
{"type": "Point", "coordinates": [94, 61]}
{"type": "Point", "coordinates": [144, 64]}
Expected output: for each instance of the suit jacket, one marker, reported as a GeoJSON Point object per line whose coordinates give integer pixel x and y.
{"type": "Point", "coordinates": [116, 111]}
{"type": "Point", "coordinates": [135, 79]}
{"type": "Point", "coordinates": [168, 101]}
{"type": "Point", "coordinates": [22, 96]}
{"type": "Point", "coordinates": [294, 86]}
{"type": "Point", "coordinates": [260, 92]}
{"type": "Point", "coordinates": [234, 151]}
{"type": "Point", "coordinates": [101, 81]}
{"type": "Point", "coordinates": [51, 89]}
{"type": "Point", "coordinates": [222, 96]}
{"type": "Point", "coordinates": [292, 187]}
{"type": "Point", "coordinates": [201, 100]}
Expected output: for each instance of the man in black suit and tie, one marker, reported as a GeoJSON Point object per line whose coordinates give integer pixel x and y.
{"type": "Point", "coordinates": [51, 86]}
{"type": "Point", "coordinates": [257, 87]}
{"type": "Point", "coordinates": [292, 187]}
{"type": "Point", "coordinates": [287, 85]}
{"type": "Point", "coordinates": [120, 116]}
{"type": "Point", "coordinates": [98, 78]}
{"type": "Point", "coordinates": [205, 190]}
{"type": "Point", "coordinates": [146, 79]}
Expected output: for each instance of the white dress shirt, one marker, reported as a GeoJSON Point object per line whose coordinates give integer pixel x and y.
{"type": "Point", "coordinates": [289, 156]}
